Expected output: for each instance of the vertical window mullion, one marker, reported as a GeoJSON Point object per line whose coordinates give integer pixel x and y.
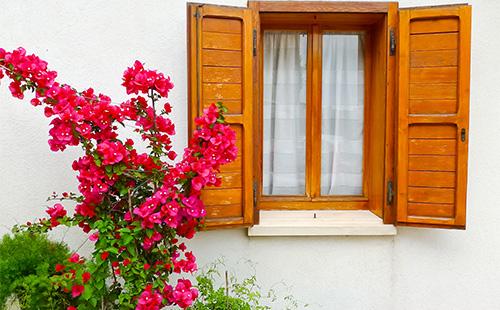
{"type": "Point", "coordinates": [315, 115]}
{"type": "Point", "coordinates": [308, 110]}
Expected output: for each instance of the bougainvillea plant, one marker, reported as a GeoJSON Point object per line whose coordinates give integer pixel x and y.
{"type": "Point", "coordinates": [136, 207]}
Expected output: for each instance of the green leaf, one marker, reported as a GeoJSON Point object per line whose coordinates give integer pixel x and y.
{"type": "Point", "coordinates": [99, 285]}
{"type": "Point", "coordinates": [127, 239]}
{"type": "Point", "coordinates": [112, 250]}
{"type": "Point", "coordinates": [87, 292]}
{"type": "Point", "coordinates": [93, 301]}
{"type": "Point", "coordinates": [131, 249]}
{"type": "Point", "coordinates": [124, 230]}
{"type": "Point", "coordinates": [123, 191]}
{"type": "Point", "coordinates": [109, 169]}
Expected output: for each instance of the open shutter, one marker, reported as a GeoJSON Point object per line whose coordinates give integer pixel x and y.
{"type": "Point", "coordinates": [220, 70]}
{"type": "Point", "coordinates": [433, 116]}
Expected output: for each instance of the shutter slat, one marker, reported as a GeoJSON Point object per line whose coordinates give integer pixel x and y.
{"type": "Point", "coordinates": [221, 75]}
{"type": "Point", "coordinates": [433, 91]}
{"type": "Point", "coordinates": [219, 91]}
{"type": "Point", "coordinates": [433, 75]}
{"type": "Point", "coordinates": [434, 41]}
{"type": "Point", "coordinates": [431, 163]}
{"type": "Point", "coordinates": [221, 41]}
{"type": "Point", "coordinates": [221, 58]}
{"type": "Point", "coordinates": [431, 210]}
{"type": "Point", "coordinates": [434, 25]}
{"type": "Point", "coordinates": [433, 58]}
{"type": "Point", "coordinates": [433, 111]}
{"type": "Point", "coordinates": [429, 106]}
{"type": "Point", "coordinates": [432, 178]}
{"type": "Point", "coordinates": [220, 45]}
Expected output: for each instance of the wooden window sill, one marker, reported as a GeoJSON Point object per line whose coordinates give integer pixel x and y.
{"type": "Point", "coordinates": [320, 223]}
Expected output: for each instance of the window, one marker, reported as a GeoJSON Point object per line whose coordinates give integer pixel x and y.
{"type": "Point", "coordinates": [337, 105]}
{"type": "Point", "coordinates": [341, 113]}
{"type": "Point", "coordinates": [321, 146]}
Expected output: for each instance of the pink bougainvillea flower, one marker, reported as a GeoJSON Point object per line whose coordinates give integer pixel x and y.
{"type": "Point", "coordinates": [104, 255]}
{"type": "Point", "coordinates": [56, 211]}
{"type": "Point", "coordinates": [149, 300]}
{"type": "Point", "coordinates": [77, 290]}
{"type": "Point", "coordinates": [112, 152]}
{"type": "Point", "coordinates": [184, 294]}
{"type": "Point", "coordinates": [94, 237]}
{"type": "Point", "coordinates": [85, 277]}
{"type": "Point", "coordinates": [74, 258]}
{"type": "Point", "coordinates": [60, 267]}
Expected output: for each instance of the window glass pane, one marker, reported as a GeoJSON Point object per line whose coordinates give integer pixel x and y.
{"type": "Point", "coordinates": [342, 114]}
{"type": "Point", "coordinates": [285, 58]}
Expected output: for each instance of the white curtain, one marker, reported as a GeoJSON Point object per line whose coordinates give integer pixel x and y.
{"type": "Point", "coordinates": [342, 114]}
{"type": "Point", "coordinates": [285, 58]}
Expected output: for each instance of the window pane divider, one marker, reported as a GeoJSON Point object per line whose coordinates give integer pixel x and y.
{"type": "Point", "coordinates": [315, 117]}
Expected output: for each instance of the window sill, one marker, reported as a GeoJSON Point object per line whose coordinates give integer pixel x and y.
{"type": "Point", "coordinates": [320, 223]}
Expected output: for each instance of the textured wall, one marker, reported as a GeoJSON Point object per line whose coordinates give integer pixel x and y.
{"type": "Point", "coordinates": [91, 42]}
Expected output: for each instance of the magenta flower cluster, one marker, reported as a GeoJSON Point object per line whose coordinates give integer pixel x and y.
{"type": "Point", "coordinates": [134, 205]}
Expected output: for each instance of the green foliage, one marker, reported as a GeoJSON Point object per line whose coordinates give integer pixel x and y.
{"type": "Point", "coordinates": [212, 298]}
{"type": "Point", "coordinates": [236, 294]}
{"type": "Point", "coordinates": [27, 262]}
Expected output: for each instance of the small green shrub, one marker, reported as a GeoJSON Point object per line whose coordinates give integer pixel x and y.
{"type": "Point", "coordinates": [27, 261]}
{"type": "Point", "coordinates": [236, 294]}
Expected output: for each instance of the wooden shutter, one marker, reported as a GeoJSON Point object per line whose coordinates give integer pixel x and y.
{"type": "Point", "coordinates": [220, 70]}
{"type": "Point", "coordinates": [433, 116]}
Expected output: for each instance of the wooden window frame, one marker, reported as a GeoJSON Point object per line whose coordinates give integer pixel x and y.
{"type": "Point", "coordinates": [316, 17]}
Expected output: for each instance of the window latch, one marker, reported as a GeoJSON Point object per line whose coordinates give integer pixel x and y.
{"type": "Point", "coordinates": [392, 43]}
{"type": "Point", "coordinates": [254, 41]}
{"type": "Point", "coordinates": [390, 193]}
{"type": "Point", "coordinates": [254, 194]}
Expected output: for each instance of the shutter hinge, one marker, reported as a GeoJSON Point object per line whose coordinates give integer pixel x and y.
{"type": "Point", "coordinates": [463, 134]}
{"type": "Point", "coordinates": [254, 194]}
{"type": "Point", "coordinates": [390, 192]}
{"type": "Point", "coordinates": [392, 42]}
{"type": "Point", "coordinates": [254, 40]}
{"type": "Point", "coordinates": [197, 13]}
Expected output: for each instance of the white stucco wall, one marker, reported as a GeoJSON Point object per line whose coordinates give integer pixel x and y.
{"type": "Point", "coordinates": [91, 42]}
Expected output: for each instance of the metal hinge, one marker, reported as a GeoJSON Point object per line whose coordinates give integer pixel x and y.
{"type": "Point", "coordinates": [254, 42]}
{"type": "Point", "coordinates": [463, 134]}
{"type": "Point", "coordinates": [390, 192]}
{"type": "Point", "coordinates": [254, 194]}
{"type": "Point", "coordinates": [197, 14]}
{"type": "Point", "coordinates": [392, 43]}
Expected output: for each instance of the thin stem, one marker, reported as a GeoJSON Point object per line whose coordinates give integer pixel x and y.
{"type": "Point", "coordinates": [154, 130]}
{"type": "Point", "coordinates": [153, 100]}
{"type": "Point", "coordinates": [81, 245]}
{"type": "Point", "coordinates": [130, 210]}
